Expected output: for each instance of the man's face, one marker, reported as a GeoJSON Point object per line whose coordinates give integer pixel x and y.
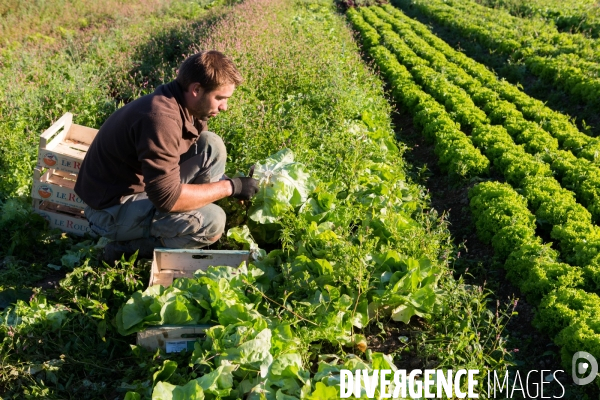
{"type": "Point", "coordinates": [203, 104]}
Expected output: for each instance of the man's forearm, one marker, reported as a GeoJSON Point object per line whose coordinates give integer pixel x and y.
{"type": "Point", "coordinates": [194, 196]}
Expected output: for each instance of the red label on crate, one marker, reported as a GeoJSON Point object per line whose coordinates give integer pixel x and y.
{"type": "Point", "coordinates": [71, 225]}
{"type": "Point", "coordinates": [68, 197]}
{"type": "Point", "coordinates": [45, 191]}
{"type": "Point", "coordinates": [71, 164]}
{"type": "Point", "coordinates": [50, 159]}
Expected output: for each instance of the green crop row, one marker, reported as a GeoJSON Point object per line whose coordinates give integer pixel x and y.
{"type": "Point", "coordinates": [539, 37]}
{"type": "Point", "coordinates": [571, 316]}
{"type": "Point", "coordinates": [462, 108]}
{"type": "Point", "coordinates": [569, 61]}
{"type": "Point", "coordinates": [462, 69]}
{"type": "Point", "coordinates": [566, 311]}
{"type": "Point", "coordinates": [502, 219]}
{"type": "Point", "coordinates": [555, 207]}
{"type": "Point", "coordinates": [455, 150]}
{"type": "Point", "coordinates": [572, 15]}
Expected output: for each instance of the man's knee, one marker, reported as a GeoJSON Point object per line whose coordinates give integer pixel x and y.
{"type": "Point", "coordinates": [192, 229]}
{"type": "Point", "coordinates": [214, 239]}
{"type": "Point", "coordinates": [215, 225]}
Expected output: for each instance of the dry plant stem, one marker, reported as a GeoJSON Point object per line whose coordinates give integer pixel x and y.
{"type": "Point", "coordinates": [280, 305]}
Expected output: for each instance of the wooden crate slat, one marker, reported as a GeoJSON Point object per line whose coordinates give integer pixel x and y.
{"type": "Point", "coordinates": [82, 134]}
{"type": "Point", "coordinates": [56, 160]}
{"type": "Point", "coordinates": [185, 261]}
{"type": "Point", "coordinates": [57, 132]}
{"type": "Point", "coordinates": [61, 181]}
{"type": "Point", "coordinates": [50, 206]}
{"type": "Point", "coordinates": [67, 150]}
{"type": "Point", "coordinates": [77, 146]}
{"type": "Point", "coordinates": [68, 222]}
{"type": "Point", "coordinates": [164, 278]}
{"type": "Point", "coordinates": [171, 338]}
{"type": "Point", "coordinates": [65, 174]}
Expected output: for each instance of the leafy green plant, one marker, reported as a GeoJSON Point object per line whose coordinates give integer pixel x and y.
{"type": "Point", "coordinates": [282, 183]}
{"type": "Point", "coordinates": [188, 301]}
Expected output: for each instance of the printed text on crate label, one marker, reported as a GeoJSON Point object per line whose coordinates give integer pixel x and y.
{"type": "Point", "coordinates": [176, 346]}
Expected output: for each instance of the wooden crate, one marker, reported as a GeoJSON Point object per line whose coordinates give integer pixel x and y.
{"type": "Point", "coordinates": [62, 149]}
{"type": "Point", "coordinates": [64, 144]}
{"type": "Point", "coordinates": [66, 218]}
{"type": "Point", "coordinates": [171, 339]}
{"type": "Point", "coordinates": [169, 264]}
{"type": "Point", "coordinates": [56, 186]}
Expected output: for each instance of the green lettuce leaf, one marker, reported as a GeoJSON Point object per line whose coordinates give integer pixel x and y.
{"type": "Point", "coordinates": [242, 235]}
{"type": "Point", "coordinates": [283, 183]}
{"type": "Point", "coordinates": [190, 391]}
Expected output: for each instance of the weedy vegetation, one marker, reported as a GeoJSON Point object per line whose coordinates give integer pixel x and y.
{"type": "Point", "coordinates": [348, 249]}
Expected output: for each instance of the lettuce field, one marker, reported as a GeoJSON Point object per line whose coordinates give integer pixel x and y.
{"type": "Point", "coordinates": [429, 198]}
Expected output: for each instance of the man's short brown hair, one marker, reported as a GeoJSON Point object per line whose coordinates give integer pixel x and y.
{"type": "Point", "coordinates": [210, 69]}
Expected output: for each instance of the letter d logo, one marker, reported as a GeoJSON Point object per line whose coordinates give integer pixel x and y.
{"type": "Point", "coordinates": [580, 368]}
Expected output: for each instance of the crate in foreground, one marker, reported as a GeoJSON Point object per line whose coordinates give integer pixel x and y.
{"type": "Point", "coordinates": [171, 338]}
{"type": "Point", "coordinates": [169, 264]}
{"type": "Point", "coordinates": [64, 144]}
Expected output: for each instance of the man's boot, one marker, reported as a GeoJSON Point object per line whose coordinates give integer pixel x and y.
{"type": "Point", "coordinates": [114, 250]}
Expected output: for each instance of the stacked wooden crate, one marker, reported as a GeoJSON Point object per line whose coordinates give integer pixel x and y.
{"type": "Point", "coordinates": [61, 151]}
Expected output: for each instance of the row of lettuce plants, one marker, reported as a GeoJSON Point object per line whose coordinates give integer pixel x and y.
{"type": "Point", "coordinates": [566, 310]}
{"type": "Point", "coordinates": [542, 39]}
{"type": "Point", "coordinates": [556, 209]}
{"type": "Point", "coordinates": [572, 16]}
{"type": "Point", "coordinates": [458, 66]}
{"type": "Point", "coordinates": [569, 61]}
{"type": "Point", "coordinates": [456, 152]}
{"type": "Point", "coordinates": [459, 102]}
{"type": "Point", "coordinates": [502, 216]}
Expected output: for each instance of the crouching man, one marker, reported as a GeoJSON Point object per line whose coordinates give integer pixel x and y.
{"type": "Point", "coordinates": [152, 173]}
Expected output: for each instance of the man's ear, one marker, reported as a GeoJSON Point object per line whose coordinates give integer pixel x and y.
{"type": "Point", "coordinates": [196, 89]}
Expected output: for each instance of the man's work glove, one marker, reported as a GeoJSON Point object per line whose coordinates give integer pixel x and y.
{"type": "Point", "coordinates": [244, 188]}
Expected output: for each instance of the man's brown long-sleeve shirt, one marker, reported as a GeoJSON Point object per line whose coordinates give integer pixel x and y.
{"type": "Point", "coordinates": [138, 149]}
